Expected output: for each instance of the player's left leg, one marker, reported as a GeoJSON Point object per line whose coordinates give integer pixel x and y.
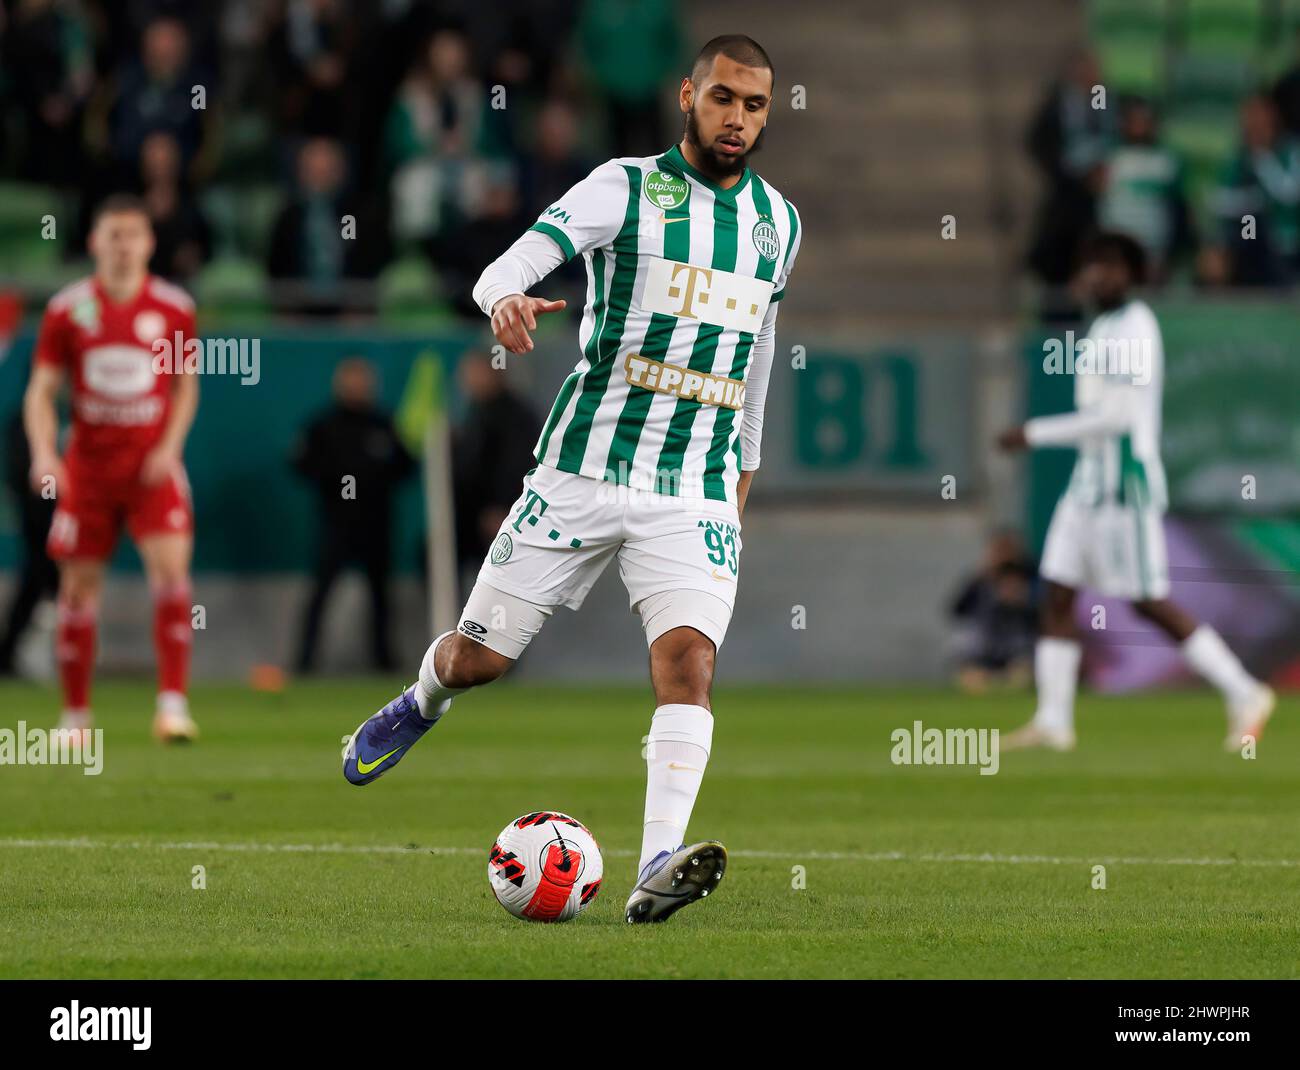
{"type": "Point", "coordinates": [1249, 702]}
{"type": "Point", "coordinates": [1056, 673]}
{"type": "Point", "coordinates": [166, 560]}
{"type": "Point", "coordinates": [671, 872]}
{"type": "Point", "coordinates": [160, 520]}
{"type": "Point", "coordinates": [1057, 653]}
{"type": "Point", "coordinates": [680, 563]}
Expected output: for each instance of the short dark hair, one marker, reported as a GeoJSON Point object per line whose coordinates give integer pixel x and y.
{"type": "Point", "coordinates": [736, 46]}
{"type": "Point", "coordinates": [1114, 245]}
{"type": "Point", "coordinates": [118, 204]}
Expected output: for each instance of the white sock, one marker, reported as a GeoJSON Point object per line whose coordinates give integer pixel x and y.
{"type": "Point", "coordinates": [1208, 654]}
{"type": "Point", "coordinates": [1056, 673]}
{"type": "Point", "coordinates": [677, 750]}
{"type": "Point", "coordinates": [173, 704]}
{"type": "Point", "coordinates": [430, 696]}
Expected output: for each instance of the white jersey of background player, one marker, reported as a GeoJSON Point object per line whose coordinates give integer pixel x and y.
{"type": "Point", "coordinates": [649, 448]}
{"type": "Point", "coordinates": [1107, 532]}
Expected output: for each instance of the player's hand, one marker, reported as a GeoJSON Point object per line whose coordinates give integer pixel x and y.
{"type": "Point", "coordinates": [159, 463]}
{"type": "Point", "coordinates": [1013, 439]}
{"type": "Point", "coordinates": [514, 316]}
{"type": "Point", "coordinates": [47, 467]}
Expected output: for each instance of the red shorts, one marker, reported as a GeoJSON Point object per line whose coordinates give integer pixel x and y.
{"type": "Point", "coordinates": [91, 510]}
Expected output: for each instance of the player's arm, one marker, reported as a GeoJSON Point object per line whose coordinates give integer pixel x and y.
{"type": "Point", "coordinates": [587, 217]}
{"type": "Point", "coordinates": [751, 422]}
{"type": "Point", "coordinates": [501, 290]}
{"type": "Point", "coordinates": [1112, 414]}
{"type": "Point", "coordinates": [759, 372]}
{"type": "Point", "coordinates": [41, 422]}
{"type": "Point", "coordinates": [166, 454]}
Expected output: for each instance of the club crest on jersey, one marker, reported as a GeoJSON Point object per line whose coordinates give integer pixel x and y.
{"type": "Point", "coordinates": [502, 549]}
{"type": "Point", "coordinates": [85, 314]}
{"type": "Point", "coordinates": [766, 239]}
{"type": "Point", "coordinates": [148, 325]}
{"type": "Point", "coordinates": [665, 190]}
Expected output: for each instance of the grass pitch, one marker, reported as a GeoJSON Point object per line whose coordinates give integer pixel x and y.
{"type": "Point", "coordinates": [907, 871]}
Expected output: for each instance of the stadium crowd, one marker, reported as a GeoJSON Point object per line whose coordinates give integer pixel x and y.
{"type": "Point", "coordinates": [251, 127]}
{"type": "Point", "coordinates": [1107, 164]}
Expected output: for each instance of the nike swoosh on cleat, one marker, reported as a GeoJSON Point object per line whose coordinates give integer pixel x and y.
{"type": "Point", "coordinates": [365, 767]}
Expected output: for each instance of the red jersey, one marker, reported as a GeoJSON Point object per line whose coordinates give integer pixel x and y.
{"type": "Point", "coordinates": [120, 400]}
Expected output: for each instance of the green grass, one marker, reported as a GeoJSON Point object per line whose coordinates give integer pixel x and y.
{"type": "Point", "coordinates": [798, 778]}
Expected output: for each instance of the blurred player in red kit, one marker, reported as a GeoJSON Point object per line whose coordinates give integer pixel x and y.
{"type": "Point", "coordinates": [131, 410]}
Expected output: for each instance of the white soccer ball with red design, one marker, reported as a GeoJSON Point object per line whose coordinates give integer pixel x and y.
{"type": "Point", "coordinates": [545, 866]}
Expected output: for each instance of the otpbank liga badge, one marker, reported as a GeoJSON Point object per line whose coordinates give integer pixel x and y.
{"type": "Point", "coordinates": [665, 191]}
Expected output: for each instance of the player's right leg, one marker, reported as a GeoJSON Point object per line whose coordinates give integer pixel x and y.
{"type": "Point", "coordinates": [1057, 652]}
{"type": "Point", "coordinates": [82, 534]}
{"type": "Point", "coordinates": [454, 662]}
{"type": "Point", "coordinates": [81, 584]}
{"type": "Point", "coordinates": [559, 536]}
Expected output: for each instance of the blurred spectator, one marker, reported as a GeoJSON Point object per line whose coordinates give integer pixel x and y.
{"type": "Point", "coordinates": [1069, 140]}
{"type": "Point", "coordinates": [354, 444]}
{"type": "Point", "coordinates": [556, 166]}
{"type": "Point", "coordinates": [311, 252]}
{"type": "Point", "coordinates": [1286, 94]}
{"type": "Point", "coordinates": [309, 48]}
{"type": "Point", "coordinates": [492, 450]}
{"type": "Point", "coordinates": [47, 69]}
{"type": "Point", "coordinates": [460, 254]}
{"type": "Point", "coordinates": [632, 48]}
{"type": "Point", "coordinates": [182, 239]}
{"type": "Point", "coordinates": [1142, 189]}
{"type": "Point", "coordinates": [38, 578]}
{"type": "Point", "coordinates": [557, 163]}
{"type": "Point", "coordinates": [996, 618]}
{"type": "Point", "coordinates": [432, 141]}
{"type": "Point", "coordinates": [155, 94]}
{"type": "Point", "coordinates": [1263, 181]}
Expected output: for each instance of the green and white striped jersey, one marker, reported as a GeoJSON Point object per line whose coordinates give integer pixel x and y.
{"type": "Point", "coordinates": [1118, 383]}
{"type": "Point", "coordinates": [682, 276]}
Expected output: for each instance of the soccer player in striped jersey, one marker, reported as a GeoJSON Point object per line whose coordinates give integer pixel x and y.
{"type": "Point", "coordinates": [650, 446]}
{"type": "Point", "coordinates": [1107, 531]}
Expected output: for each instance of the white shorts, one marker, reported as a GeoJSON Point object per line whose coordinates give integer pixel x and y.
{"type": "Point", "coordinates": [1115, 550]}
{"type": "Point", "coordinates": [564, 529]}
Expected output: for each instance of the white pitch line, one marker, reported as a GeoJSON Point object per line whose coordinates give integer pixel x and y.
{"type": "Point", "coordinates": [819, 856]}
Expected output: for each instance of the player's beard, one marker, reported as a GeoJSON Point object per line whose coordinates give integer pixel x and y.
{"type": "Point", "coordinates": [717, 165]}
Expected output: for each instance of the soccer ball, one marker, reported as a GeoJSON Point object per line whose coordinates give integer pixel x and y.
{"type": "Point", "coordinates": [545, 866]}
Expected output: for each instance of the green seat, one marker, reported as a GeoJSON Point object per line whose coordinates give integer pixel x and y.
{"type": "Point", "coordinates": [410, 294]}
{"type": "Point", "coordinates": [49, 277]}
{"type": "Point", "coordinates": [1209, 80]}
{"type": "Point", "coordinates": [1132, 67]}
{"type": "Point", "coordinates": [23, 207]}
{"type": "Point", "coordinates": [1133, 19]}
{"type": "Point", "coordinates": [1131, 38]}
{"type": "Point", "coordinates": [1226, 28]}
{"type": "Point", "coordinates": [1202, 134]}
{"type": "Point", "coordinates": [231, 287]}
